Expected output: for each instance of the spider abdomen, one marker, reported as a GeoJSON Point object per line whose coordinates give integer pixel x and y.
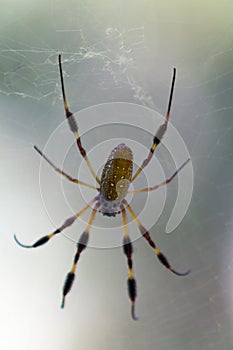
{"type": "Point", "coordinates": [117, 173]}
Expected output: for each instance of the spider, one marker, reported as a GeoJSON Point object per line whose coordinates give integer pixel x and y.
{"type": "Point", "coordinates": [113, 187]}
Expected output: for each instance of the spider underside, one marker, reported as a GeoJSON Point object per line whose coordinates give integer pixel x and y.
{"type": "Point", "coordinates": [116, 178]}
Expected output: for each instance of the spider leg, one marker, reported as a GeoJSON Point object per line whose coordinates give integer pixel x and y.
{"type": "Point", "coordinates": [167, 181]}
{"type": "Point", "coordinates": [81, 245]}
{"type": "Point", "coordinates": [66, 224]}
{"type": "Point", "coordinates": [73, 124]}
{"type": "Point", "coordinates": [128, 250]}
{"type": "Point", "coordinates": [160, 132]}
{"type": "Point", "coordinates": [162, 258]}
{"type": "Point", "coordinates": [59, 171]}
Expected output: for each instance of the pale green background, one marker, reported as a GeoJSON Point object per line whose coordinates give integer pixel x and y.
{"type": "Point", "coordinates": [130, 44]}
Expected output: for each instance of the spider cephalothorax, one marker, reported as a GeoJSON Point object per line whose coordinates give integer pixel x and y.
{"type": "Point", "coordinates": [113, 187]}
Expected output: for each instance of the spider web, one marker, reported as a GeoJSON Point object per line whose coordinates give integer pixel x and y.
{"type": "Point", "coordinates": [113, 54]}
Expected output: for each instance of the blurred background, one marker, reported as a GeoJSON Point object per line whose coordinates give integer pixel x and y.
{"type": "Point", "coordinates": [115, 52]}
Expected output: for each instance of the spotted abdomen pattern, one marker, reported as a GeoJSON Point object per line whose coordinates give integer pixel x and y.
{"type": "Point", "coordinates": [117, 173]}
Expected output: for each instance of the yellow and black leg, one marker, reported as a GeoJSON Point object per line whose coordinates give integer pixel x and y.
{"type": "Point", "coordinates": [63, 173]}
{"type": "Point", "coordinates": [66, 224]}
{"type": "Point", "coordinates": [81, 245]}
{"type": "Point", "coordinates": [162, 258]}
{"type": "Point", "coordinates": [128, 251]}
{"type": "Point", "coordinates": [167, 181]}
{"type": "Point", "coordinates": [160, 132]}
{"type": "Point", "coordinates": [73, 124]}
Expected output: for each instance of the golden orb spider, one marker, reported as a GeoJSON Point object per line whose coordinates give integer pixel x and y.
{"type": "Point", "coordinates": [110, 200]}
